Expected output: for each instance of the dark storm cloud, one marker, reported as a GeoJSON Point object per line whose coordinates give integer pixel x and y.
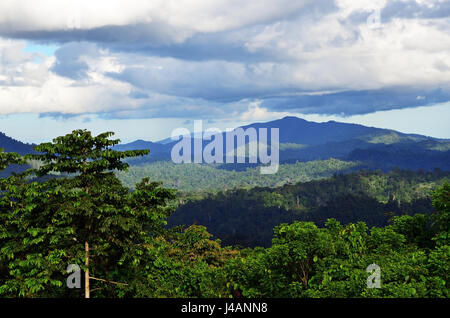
{"type": "Point", "coordinates": [69, 60]}
{"type": "Point", "coordinates": [151, 34]}
{"type": "Point", "coordinates": [358, 102]}
{"type": "Point", "coordinates": [215, 81]}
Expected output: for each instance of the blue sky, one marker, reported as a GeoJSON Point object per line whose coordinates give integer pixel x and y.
{"type": "Point", "coordinates": [149, 67]}
{"type": "Point", "coordinates": [45, 49]}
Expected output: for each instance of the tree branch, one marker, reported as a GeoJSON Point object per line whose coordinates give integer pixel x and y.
{"type": "Point", "coordinates": [107, 281]}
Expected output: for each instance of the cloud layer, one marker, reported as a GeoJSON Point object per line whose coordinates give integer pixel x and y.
{"type": "Point", "coordinates": [218, 59]}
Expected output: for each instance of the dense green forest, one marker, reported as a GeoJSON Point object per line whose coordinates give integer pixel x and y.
{"type": "Point", "coordinates": [191, 177]}
{"type": "Point", "coordinates": [248, 216]}
{"type": "Point", "coordinates": [120, 239]}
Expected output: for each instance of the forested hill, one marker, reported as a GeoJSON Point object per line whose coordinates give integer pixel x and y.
{"type": "Point", "coordinates": [202, 178]}
{"type": "Point", "coordinates": [302, 140]}
{"type": "Point", "coordinates": [300, 131]}
{"type": "Point", "coordinates": [247, 217]}
{"type": "Point", "coordinates": [158, 151]}
{"type": "Point", "coordinates": [11, 145]}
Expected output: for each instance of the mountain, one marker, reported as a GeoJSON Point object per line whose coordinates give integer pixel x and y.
{"type": "Point", "coordinates": [142, 144]}
{"type": "Point", "coordinates": [302, 140]}
{"type": "Point", "coordinates": [157, 151]}
{"type": "Point", "coordinates": [165, 141]}
{"type": "Point", "coordinates": [300, 131]}
{"type": "Point", "coordinates": [11, 145]}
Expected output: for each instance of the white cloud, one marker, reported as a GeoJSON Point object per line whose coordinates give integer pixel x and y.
{"type": "Point", "coordinates": [27, 86]}
{"type": "Point", "coordinates": [183, 57]}
{"type": "Point", "coordinates": [185, 16]}
{"type": "Point", "coordinates": [255, 112]}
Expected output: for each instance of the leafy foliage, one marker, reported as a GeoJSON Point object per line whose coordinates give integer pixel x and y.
{"type": "Point", "coordinates": [195, 178]}
{"type": "Point", "coordinates": [88, 219]}
{"type": "Point", "coordinates": [119, 237]}
{"type": "Point", "coordinates": [247, 217]}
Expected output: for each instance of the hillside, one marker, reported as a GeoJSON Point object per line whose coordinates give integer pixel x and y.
{"type": "Point", "coordinates": [302, 140]}
{"type": "Point", "coordinates": [196, 178]}
{"type": "Point", "coordinates": [247, 217]}
{"type": "Point", "coordinates": [11, 145]}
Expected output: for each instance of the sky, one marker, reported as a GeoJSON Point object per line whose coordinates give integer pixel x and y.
{"type": "Point", "coordinates": [143, 68]}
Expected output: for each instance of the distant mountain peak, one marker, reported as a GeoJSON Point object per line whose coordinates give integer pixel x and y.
{"type": "Point", "coordinates": [292, 118]}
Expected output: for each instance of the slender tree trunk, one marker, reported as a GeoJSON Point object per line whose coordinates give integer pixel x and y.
{"type": "Point", "coordinates": [87, 292]}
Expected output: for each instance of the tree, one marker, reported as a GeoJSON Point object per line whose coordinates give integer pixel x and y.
{"type": "Point", "coordinates": [84, 215]}
{"type": "Point", "coordinates": [9, 158]}
{"type": "Point", "coordinates": [416, 229]}
{"type": "Point", "coordinates": [299, 246]}
{"type": "Point", "coordinates": [441, 202]}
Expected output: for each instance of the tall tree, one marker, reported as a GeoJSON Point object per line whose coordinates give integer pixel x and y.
{"type": "Point", "coordinates": [441, 202]}
{"type": "Point", "coordinates": [84, 215]}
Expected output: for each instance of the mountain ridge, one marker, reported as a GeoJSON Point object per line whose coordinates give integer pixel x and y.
{"type": "Point", "coordinates": [10, 144]}
{"type": "Point", "coordinates": [318, 125]}
{"type": "Point", "coordinates": [302, 140]}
